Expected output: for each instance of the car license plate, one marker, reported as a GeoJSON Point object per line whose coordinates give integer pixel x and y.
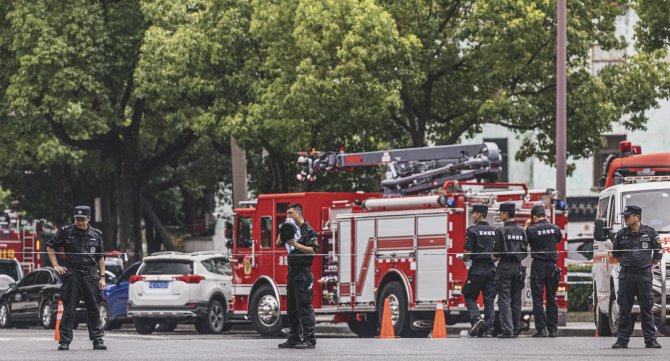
{"type": "Point", "coordinates": [158, 284]}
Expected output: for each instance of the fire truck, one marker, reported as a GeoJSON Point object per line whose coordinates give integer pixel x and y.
{"type": "Point", "coordinates": [20, 239]}
{"type": "Point", "coordinates": [630, 178]}
{"type": "Point", "coordinates": [401, 244]}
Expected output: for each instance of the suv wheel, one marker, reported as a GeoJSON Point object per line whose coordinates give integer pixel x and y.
{"type": "Point", "coordinates": [214, 321]}
{"type": "Point", "coordinates": [265, 312]}
{"type": "Point", "coordinates": [144, 326]}
{"type": "Point", "coordinates": [47, 315]}
{"type": "Point", "coordinates": [4, 316]}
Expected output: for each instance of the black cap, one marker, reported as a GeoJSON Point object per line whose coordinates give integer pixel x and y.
{"type": "Point", "coordinates": [287, 231]}
{"type": "Point", "coordinates": [537, 210]}
{"type": "Point", "coordinates": [507, 207]}
{"type": "Point", "coordinates": [480, 208]}
{"type": "Point", "coordinates": [82, 211]}
{"type": "Point", "coordinates": [631, 210]}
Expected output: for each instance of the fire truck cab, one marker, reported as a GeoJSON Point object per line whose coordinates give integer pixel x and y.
{"type": "Point", "coordinates": [644, 181]}
{"type": "Point", "coordinates": [372, 247]}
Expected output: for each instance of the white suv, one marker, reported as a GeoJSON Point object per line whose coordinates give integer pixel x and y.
{"type": "Point", "coordinates": [172, 287]}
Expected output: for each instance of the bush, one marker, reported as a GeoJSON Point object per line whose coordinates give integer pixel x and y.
{"type": "Point", "coordinates": [578, 295]}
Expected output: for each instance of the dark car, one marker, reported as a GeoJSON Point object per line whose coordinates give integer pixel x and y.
{"type": "Point", "coordinates": [115, 306]}
{"type": "Point", "coordinates": [34, 300]}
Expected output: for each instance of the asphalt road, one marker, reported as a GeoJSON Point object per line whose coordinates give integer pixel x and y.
{"type": "Point", "coordinates": [243, 344]}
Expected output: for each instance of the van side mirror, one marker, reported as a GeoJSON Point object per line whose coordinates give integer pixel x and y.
{"type": "Point", "coordinates": [599, 230]}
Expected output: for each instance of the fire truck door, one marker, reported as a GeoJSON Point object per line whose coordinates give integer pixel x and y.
{"type": "Point", "coordinates": [431, 261]}
{"type": "Point", "coordinates": [244, 250]}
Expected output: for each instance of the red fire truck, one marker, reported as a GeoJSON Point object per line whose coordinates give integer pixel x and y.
{"type": "Point", "coordinates": [401, 244]}
{"type": "Point", "coordinates": [20, 239]}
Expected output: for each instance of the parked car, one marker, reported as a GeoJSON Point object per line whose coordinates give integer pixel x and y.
{"type": "Point", "coordinates": [116, 298]}
{"type": "Point", "coordinates": [10, 272]}
{"type": "Point", "coordinates": [34, 300]}
{"type": "Point", "coordinates": [172, 287]}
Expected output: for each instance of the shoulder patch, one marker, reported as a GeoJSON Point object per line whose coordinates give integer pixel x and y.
{"type": "Point", "coordinates": [95, 230]}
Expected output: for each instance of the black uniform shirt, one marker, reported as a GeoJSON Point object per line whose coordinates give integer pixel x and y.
{"type": "Point", "coordinates": [543, 237]}
{"type": "Point", "coordinates": [479, 239]}
{"type": "Point", "coordinates": [636, 250]}
{"type": "Point", "coordinates": [511, 242]}
{"type": "Point", "coordinates": [83, 248]}
{"type": "Point", "coordinates": [307, 238]}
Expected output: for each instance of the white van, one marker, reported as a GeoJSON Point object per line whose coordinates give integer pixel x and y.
{"type": "Point", "coordinates": [654, 199]}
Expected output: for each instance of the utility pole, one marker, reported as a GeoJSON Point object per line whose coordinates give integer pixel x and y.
{"type": "Point", "coordinates": [561, 98]}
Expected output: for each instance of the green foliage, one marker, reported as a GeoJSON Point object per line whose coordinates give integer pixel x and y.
{"type": "Point", "coordinates": [578, 295]}
{"type": "Point", "coordinates": [653, 29]}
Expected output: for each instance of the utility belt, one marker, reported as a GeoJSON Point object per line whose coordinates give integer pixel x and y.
{"type": "Point", "coordinates": [81, 268]}
{"type": "Point", "coordinates": [636, 270]}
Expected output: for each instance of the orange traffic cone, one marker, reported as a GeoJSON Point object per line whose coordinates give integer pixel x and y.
{"type": "Point", "coordinates": [439, 326]}
{"type": "Point", "coordinates": [387, 323]}
{"type": "Point", "coordinates": [59, 315]}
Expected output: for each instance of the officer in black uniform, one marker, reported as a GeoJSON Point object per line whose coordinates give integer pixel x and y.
{"type": "Point", "coordinates": [82, 270]}
{"type": "Point", "coordinates": [300, 282]}
{"type": "Point", "coordinates": [544, 275]}
{"type": "Point", "coordinates": [479, 241]}
{"type": "Point", "coordinates": [637, 247]}
{"type": "Point", "coordinates": [511, 247]}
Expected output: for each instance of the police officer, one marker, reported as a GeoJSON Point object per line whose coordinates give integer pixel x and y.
{"type": "Point", "coordinates": [544, 275]}
{"type": "Point", "coordinates": [637, 247]}
{"type": "Point", "coordinates": [300, 282]}
{"type": "Point", "coordinates": [511, 247]}
{"type": "Point", "coordinates": [82, 270]}
{"type": "Point", "coordinates": [479, 241]}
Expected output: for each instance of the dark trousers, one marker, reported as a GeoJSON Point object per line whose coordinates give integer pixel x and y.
{"type": "Point", "coordinates": [633, 285]}
{"type": "Point", "coordinates": [481, 279]}
{"type": "Point", "coordinates": [299, 305]}
{"type": "Point", "coordinates": [541, 280]}
{"type": "Point", "coordinates": [509, 286]}
{"type": "Point", "coordinates": [78, 285]}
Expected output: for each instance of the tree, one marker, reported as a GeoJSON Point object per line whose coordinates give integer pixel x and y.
{"type": "Point", "coordinates": [494, 62]}
{"type": "Point", "coordinates": [107, 79]}
{"type": "Point", "coordinates": [653, 29]}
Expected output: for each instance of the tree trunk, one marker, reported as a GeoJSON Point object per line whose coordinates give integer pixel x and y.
{"type": "Point", "coordinates": [108, 226]}
{"type": "Point", "coordinates": [127, 210]}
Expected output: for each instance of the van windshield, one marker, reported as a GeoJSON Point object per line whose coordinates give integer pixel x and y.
{"type": "Point", "coordinates": [655, 204]}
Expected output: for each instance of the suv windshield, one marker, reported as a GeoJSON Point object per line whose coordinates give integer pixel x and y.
{"type": "Point", "coordinates": [654, 204]}
{"type": "Point", "coordinates": [167, 267]}
{"type": "Point", "coordinates": [9, 269]}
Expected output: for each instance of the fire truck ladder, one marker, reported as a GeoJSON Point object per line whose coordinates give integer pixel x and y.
{"type": "Point", "coordinates": [28, 241]}
{"type": "Point", "coordinates": [412, 170]}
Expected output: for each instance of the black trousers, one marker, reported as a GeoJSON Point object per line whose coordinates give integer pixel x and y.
{"type": "Point", "coordinates": [299, 305]}
{"type": "Point", "coordinates": [633, 285]}
{"type": "Point", "coordinates": [481, 279]}
{"type": "Point", "coordinates": [509, 286]}
{"type": "Point", "coordinates": [541, 280]}
{"type": "Point", "coordinates": [79, 285]}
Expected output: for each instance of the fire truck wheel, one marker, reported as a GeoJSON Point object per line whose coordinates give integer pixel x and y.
{"type": "Point", "coordinates": [602, 321]}
{"type": "Point", "coordinates": [265, 312]}
{"type": "Point", "coordinates": [395, 292]}
{"type": "Point", "coordinates": [366, 327]}
{"type": "Point", "coordinates": [144, 326]}
{"type": "Point", "coordinates": [4, 316]}
{"type": "Point", "coordinates": [47, 319]}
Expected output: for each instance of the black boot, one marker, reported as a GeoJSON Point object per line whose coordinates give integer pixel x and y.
{"type": "Point", "coordinates": [306, 344]}
{"type": "Point", "coordinates": [474, 331]}
{"type": "Point", "coordinates": [652, 344]}
{"type": "Point", "coordinates": [553, 333]}
{"type": "Point", "coordinates": [63, 347]}
{"type": "Point", "coordinates": [287, 344]}
{"type": "Point", "coordinates": [540, 333]}
{"type": "Point", "coordinates": [99, 345]}
{"type": "Point", "coordinates": [620, 344]}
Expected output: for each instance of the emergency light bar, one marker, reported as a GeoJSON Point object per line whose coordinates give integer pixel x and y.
{"type": "Point", "coordinates": [644, 179]}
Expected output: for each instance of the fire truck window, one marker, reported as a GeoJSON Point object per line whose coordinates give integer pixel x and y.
{"type": "Point", "coordinates": [266, 232]}
{"type": "Point", "coordinates": [244, 232]}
